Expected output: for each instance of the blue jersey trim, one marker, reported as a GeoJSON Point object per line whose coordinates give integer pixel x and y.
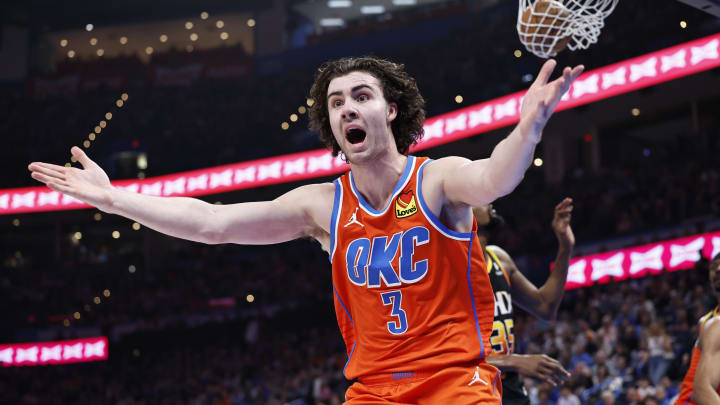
{"type": "Point", "coordinates": [433, 219]}
{"type": "Point", "coordinates": [334, 217]}
{"type": "Point", "coordinates": [348, 360]}
{"type": "Point", "coordinates": [472, 301]}
{"type": "Point", "coordinates": [398, 187]}
{"type": "Point", "coordinates": [351, 323]}
{"type": "Point", "coordinates": [495, 381]}
{"type": "Point", "coordinates": [343, 305]}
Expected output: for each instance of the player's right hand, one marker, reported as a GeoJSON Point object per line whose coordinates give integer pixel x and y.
{"type": "Point", "coordinates": [543, 368]}
{"type": "Point", "coordinates": [89, 184]}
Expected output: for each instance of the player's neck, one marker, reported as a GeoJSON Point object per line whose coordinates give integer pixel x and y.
{"type": "Point", "coordinates": [376, 180]}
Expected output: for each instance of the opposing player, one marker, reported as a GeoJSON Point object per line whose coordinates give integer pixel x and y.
{"type": "Point", "coordinates": [701, 384]}
{"type": "Point", "coordinates": [511, 287]}
{"type": "Point", "coordinates": [412, 296]}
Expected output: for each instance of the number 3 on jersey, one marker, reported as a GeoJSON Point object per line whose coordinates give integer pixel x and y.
{"type": "Point", "coordinates": [394, 298]}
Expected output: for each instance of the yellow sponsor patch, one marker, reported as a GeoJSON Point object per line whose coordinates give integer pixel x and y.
{"type": "Point", "coordinates": [405, 205]}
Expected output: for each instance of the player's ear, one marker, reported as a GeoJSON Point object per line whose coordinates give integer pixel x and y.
{"type": "Point", "coordinates": [391, 112]}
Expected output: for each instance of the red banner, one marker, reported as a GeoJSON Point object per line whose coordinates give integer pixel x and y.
{"type": "Point", "coordinates": [59, 352]}
{"type": "Point", "coordinates": [640, 261]}
{"type": "Point", "coordinates": [609, 81]}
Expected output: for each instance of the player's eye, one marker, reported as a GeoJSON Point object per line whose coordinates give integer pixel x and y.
{"type": "Point", "coordinates": [362, 97]}
{"type": "Point", "coordinates": [337, 103]}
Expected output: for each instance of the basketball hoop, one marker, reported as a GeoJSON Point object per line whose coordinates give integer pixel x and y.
{"type": "Point", "coordinates": [546, 27]}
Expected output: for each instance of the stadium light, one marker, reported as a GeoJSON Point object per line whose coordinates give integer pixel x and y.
{"type": "Point", "coordinates": [332, 22]}
{"type": "Point", "coordinates": [372, 9]}
{"type": "Point", "coordinates": [339, 3]}
{"type": "Point", "coordinates": [404, 2]}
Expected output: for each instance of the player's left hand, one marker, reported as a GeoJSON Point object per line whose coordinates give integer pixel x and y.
{"type": "Point", "coordinates": [561, 223]}
{"type": "Point", "coordinates": [542, 97]}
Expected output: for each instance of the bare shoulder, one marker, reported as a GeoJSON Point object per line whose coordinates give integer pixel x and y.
{"type": "Point", "coordinates": [499, 252]}
{"type": "Point", "coordinates": [315, 200]}
{"type": "Point", "coordinates": [710, 335]}
{"type": "Point", "coordinates": [443, 165]}
{"type": "Point", "coordinates": [434, 176]}
{"type": "Point", "coordinates": [505, 260]}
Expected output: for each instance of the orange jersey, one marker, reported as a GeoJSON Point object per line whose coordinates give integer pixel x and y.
{"type": "Point", "coordinates": [411, 295]}
{"type": "Point", "coordinates": [687, 388]}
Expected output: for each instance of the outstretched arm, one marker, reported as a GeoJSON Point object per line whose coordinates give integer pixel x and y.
{"type": "Point", "coordinates": [707, 376]}
{"type": "Point", "coordinates": [480, 182]}
{"type": "Point", "coordinates": [288, 217]}
{"type": "Point", "coordinates": [545, 301]}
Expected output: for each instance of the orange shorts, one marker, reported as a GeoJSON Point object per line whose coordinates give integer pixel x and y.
{"type": "Point", "coordinates": [457, 385]}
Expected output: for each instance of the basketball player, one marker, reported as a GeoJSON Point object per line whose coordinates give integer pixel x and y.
{"type": "Point", "coordinates": [701, 384]}
{"type": "Point", "coordinates": [511, 287]}
{"type": "Point", "coordinates": [412, 296]}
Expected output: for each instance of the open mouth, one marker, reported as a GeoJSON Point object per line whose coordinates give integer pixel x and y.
{"type": "Point", "coordinates": [355, 135]}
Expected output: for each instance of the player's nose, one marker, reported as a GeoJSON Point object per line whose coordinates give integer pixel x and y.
{"type": "Point", "coordinates": [349, 113]}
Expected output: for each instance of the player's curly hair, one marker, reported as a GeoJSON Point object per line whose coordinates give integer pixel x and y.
{"type": "Point", "coordinates": [397, 85]}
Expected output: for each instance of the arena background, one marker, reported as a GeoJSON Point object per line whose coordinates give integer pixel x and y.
{"type": "Point", "coordinates": [191, 323]}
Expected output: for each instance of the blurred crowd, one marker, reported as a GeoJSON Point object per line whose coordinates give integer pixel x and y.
{"type": "Point", "coordinates": [624, 343]}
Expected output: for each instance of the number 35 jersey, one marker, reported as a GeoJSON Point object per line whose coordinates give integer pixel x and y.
{"type": "Point", "coordinates": [410, 294]}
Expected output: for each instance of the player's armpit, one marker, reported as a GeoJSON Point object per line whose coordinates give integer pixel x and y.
{"type": "Point", "coordinates": [707, 377]}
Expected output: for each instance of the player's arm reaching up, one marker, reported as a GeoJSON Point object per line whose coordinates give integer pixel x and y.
{"type": "Point", "coordinates": [707, 377]}
{"type": "Point", "coordinates": [544, 302]}
{"type": "Point", "coordinates": [304, 211]}
{"type": "Point", "coordinates": [480, 182]}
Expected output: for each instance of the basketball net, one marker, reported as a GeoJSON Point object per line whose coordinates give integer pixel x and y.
{"type": "Point", "coordinates": [576, 21]}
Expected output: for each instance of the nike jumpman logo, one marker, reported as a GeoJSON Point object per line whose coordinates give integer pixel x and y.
{"type": "Point", "coordinates": [353, 219]}
{"type": "Point", "coordinates": [476, 377]}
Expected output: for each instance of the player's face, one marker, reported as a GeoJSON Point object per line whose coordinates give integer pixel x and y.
{"type": "Point", "coordinates": [482, 214]}
{"type": "Point", "coordinates": [360, 116]}
{"type": "Point", "coordinates": [485, 214]}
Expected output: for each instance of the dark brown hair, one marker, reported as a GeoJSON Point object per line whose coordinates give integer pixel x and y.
{"type": "Point", "coordinates": [397, 86]}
